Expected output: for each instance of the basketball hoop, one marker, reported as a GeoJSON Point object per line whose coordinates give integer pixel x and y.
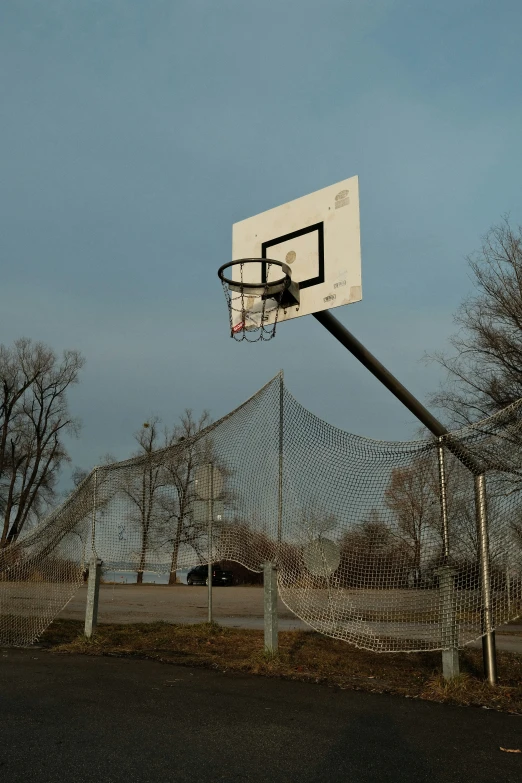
{"type": "Point", "coordinates": [254, 293]}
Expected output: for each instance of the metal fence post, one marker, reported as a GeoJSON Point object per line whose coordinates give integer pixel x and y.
{"type": "Point", "coordinates": [443, 500]}
{"type": "Point", "coordinates": [210, 519]}
{"type": "Point", "coordinates": [488, 634]}
{"type": "Point", "coordinates": [270, 607]}
{"type": "Point", "coordinates": [93, 591]}
{"type": "Point", "coordinates": [446, 574]}
{"type": "Point", "coordinates": [280, 484]}
{"type": "Point", "coordinates": [508, 589]}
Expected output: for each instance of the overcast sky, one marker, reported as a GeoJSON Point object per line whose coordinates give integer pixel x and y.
{"type": "Point", "coordinates": [133, 134]}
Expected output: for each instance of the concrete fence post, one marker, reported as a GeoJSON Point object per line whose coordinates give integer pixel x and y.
{"type": "Point", "coordinates": [270, 607]}
{"type": "Point", "coordinates": [448, 622]}
{"type": "Point", "coordinates": [93, 591]}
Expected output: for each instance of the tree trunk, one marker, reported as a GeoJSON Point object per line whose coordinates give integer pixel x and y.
{"type": "Point", "coordinates": [143, 557]}
{"type": "Point", "coordinates": [175, 551]}
{"type": "Point", "coordinates": [417, 564]}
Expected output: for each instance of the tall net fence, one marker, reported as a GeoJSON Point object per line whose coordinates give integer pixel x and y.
{"type": "Point", "coordinates": [373, 543]}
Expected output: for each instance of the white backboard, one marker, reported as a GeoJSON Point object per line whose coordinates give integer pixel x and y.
{"type": "Point", "coordinates": [318, 236]}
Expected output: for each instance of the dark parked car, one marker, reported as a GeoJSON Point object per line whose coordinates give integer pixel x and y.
{"type": "Point", "coordinates": [199, 576]}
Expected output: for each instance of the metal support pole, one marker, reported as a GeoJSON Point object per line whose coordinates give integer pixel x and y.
{"type": "Point", "coordinates": [94, 500]}
{"type": "Point", "coordinates": [443, 501]}
{"type": "Point", "coordinates": [270, 606]}
{"type": "Point", "coordinates": [508, 589]}
{"type": "Point", "coordinates": [210, 517]}
{"type": "Point", "coordinates": [372, 364]}
{"type": "Point", "coordinates": [93, 591]}
{"type": "Point", "coordinates": [368, 360]}
{"type": "Point", "coordinates": [280, 487]}
{"type": "Point", "coordinates": [488, 637]}
{"type": "Point", "coordinates": [446, 574]}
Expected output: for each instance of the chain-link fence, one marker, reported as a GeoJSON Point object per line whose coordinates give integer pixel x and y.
{"type": "Point", "coordinates": [373, 544]}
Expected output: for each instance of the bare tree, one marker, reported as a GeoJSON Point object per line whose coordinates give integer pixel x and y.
{"type": "Point", "coordinates": [485, 370]}
{"type": "Point", "coordinates": [384, 556]}
{"type": "Point", "coordinates": [316, 522]}
{"type": "Point", "coordinates": [179, 522]}
{"type": "Point", "coordinates": [78, 475]}
{"type": "Point", "coordinates": [412, 495]}
{"type": "Point", "coordinates": [161, 489]}
{"type": "Point", "coordinates": [34, 415]}
{"type": "Point", "coordinates": [251, 546]}
{"type": "Point", "coordinates": [142, 486]}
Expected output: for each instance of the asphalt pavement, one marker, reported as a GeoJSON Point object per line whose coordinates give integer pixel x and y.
{"type": "Point", "coordinates": [122, 720]}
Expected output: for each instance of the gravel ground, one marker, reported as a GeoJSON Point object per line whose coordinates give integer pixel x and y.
{"type": "Point", "coordinates": [240, 607]}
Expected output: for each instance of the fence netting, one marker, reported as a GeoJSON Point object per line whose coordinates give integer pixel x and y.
{"type": "Point", "coordinates": [355, 525]}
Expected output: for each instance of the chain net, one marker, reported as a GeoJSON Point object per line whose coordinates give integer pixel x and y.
{"type": "Point", "coordinates": [363, 550]}
{"type": "Point", "coordinates": [253, 310]}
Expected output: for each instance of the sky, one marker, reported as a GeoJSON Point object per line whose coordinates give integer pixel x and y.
{"type": "Point", "coordinates": [134, 134]}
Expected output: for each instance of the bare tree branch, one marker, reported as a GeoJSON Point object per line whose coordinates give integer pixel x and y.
{"type": "Point", "coordinates": [33, 417]}
{"type": "Point", "coordinates": [484, 373]}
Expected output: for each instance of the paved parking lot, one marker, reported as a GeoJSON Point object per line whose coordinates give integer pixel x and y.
{"type": "Point", "coordinates": [240, 607]}
{"type": "Point", "coordinates": [111, 720]}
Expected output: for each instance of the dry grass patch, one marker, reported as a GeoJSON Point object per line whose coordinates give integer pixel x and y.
{"type": "Point", "coordinates": [302, 655]}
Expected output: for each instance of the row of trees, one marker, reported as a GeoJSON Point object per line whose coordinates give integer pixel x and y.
{"type": "Point", "coordinates": [35, 417]}
{"type": "Point", "coordinates": [160, 490]}
{"type": "Point", "coordinates": [402, 540]}
{"type": "Point", "coordinates": [34, 420]}
{"type": "Point", "coordinates": [160, 493]}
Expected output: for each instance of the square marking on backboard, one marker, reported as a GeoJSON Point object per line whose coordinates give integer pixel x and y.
{"type": "Point", "coordinates": [303, 251]}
